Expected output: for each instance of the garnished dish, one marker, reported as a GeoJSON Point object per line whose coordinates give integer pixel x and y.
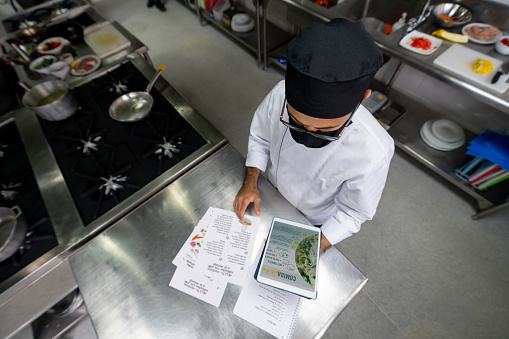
{"type": "Point", "coordinates": [53, 46]}
{"type": "Point", "coordinates": [41, 64]}
{"type": "Point", "coordinates": [482, 33]}
{"type": "Point", "coordinates": [305, 258]}
{"type": "Point", "coordinates": [45, 63]}
{"type": "Point", "coordinates": [86, 65]}
{"type": "Point", "coordinates": [482, 66]}
{"type": "Point", "coordinates": [420, 43]}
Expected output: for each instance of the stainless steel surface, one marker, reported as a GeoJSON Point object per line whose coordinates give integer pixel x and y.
{"type": "Point", "coordinates": [83, 49]}
{"type": "Point", "coordinates": [413, 23]}
{"type": "Point", "coordinates": [12, 231]}
{"type": "Point", "coordinates": [51, 100]}
{"type": "Point", "coordinates": [66, 221]}
{"type": "Point", "coordinates": [34, 300]}
{"type": "Point", "coordinates": [389, 44]}
{"type": "Point", "coordinates": [457, 14]}
{"type": "Point", "coordinates": [134, 106]}
{"type": "Point", "coordinates": [124, 273]}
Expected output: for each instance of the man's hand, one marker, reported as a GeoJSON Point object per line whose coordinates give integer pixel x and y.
{"type": "Point", "coordinates": [248, 193]}
{"type": "Point", "coordinates": [324, 244]}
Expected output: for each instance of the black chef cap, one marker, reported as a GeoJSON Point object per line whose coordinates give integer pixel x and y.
{"type": "Point", "coordinates": [330, 66]}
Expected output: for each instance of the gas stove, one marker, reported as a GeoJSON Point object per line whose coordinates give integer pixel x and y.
{"type": "Point", "coordinates": [105, 161]}
{"type": "Point", "coordinates": [64, 9]}
{"type": "Point", "coordinates": [18, 188]}
{"type": "Point", "coordinates": [81, 174]}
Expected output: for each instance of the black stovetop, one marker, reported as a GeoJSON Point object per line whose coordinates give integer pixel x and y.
{"type": "Point", "coordinates": [18, 187]}
{"type": "Point", "coordinates": [105, 161]}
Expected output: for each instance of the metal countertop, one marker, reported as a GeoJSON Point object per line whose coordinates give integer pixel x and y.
{"type": "Point", "coordinates": [124, 273]}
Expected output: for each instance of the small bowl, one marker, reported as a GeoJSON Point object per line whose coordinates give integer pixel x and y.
{"type": "Point", "coordinates": [502, 48]}
{"type": "Point", "coordinates": [451, 15]}
{"type": "Point", "coordinates": [38, 61]}
{"type": "Point", "coordinates": [53, 51]}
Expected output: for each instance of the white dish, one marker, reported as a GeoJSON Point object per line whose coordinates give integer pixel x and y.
{"type": "Point", "coordinates": [96, 59]}
{"type": "Point", "coordinates": [408, 39]}
{"type": "Point", "coordinates": [447, 131]}
{"type": "Point", "coordinates": [463, 31]}
{"type": "Point", "coordinates": [54, 51]}
{"type": "Point", "coordinates": [433, 142]}
{"type": "Point", "coordinates": [36, 62]}
{"type": "Point", "coordinates": [242, 23]}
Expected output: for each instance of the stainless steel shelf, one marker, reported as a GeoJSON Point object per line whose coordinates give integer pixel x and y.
{"type": "Point", "coordinates": [406, 137]}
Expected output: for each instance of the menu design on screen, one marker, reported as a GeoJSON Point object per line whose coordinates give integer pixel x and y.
{"type": "Point", "coordinates": [306, 258]}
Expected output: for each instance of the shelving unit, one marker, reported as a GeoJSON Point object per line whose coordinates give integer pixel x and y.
{"type": "Point", "coordinates": [406, 137]}
{"type": "Point", "coordinates": [260, 42]}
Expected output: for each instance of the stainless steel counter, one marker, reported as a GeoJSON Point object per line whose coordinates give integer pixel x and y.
{"type": "Point", "coordinates": [16, 293]}
{"type": "Point", "coordinates": [389, 44]}
{"type": "Point", "coordinates": [124, 273]}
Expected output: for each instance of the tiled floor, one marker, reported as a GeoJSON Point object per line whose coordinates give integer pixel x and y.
{"type": "Point", "coordinates": [433, 271]}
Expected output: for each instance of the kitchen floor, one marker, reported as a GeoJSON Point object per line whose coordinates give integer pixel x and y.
{"type": "Point", "coordinates": [433, 271]}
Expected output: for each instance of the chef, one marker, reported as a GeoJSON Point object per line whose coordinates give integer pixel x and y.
{"type": "Point", "coordinates": [329, 156]}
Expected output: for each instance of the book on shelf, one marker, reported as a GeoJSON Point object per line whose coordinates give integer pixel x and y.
{"type": "Point", "coordinates": [503, 175]}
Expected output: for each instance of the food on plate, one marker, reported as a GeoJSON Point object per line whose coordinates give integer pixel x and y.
{"type": "Point", "coordinates": [482, 66]}
{"type": "Point", "coordinates": [442, 33]}
{"type": "Point", "coordinates": [86, 64]}
{"type": "Point", "coordinates": [482, 33]}
{"type": "Point", "coordinates": [51, 45]}
{"type": "Point", "coordinates": [447, 18]}
{"type": "Point", "coordinates": [45, 63]}
{"type": "Point", "coordinates": [422, 43]}
{"type": "Point", "coordinates": [505, 41]}
{"type": "Point", "coordinates": [305, 258]}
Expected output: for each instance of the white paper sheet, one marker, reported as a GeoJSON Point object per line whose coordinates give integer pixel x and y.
{"type": "Point", "coordinates": [198, 286]}
{"type": "Point", "coordinates": [268, 308]}
{"type": "Point", "coordinates": [226, 252]}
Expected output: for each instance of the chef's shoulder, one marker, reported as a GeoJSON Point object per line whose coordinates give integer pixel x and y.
{"type": "Point", "coordinates": [273, 102]}
{"type": "Point", "coordinates": [371, 129]}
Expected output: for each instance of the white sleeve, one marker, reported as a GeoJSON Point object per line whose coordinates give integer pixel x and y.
{"type": "Point", "coordinates": [260, 132]}
{"type": "Point", "coordinates": [356, 202]}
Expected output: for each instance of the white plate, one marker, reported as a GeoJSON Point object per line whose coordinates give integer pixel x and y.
{"type": "Point", "coordinates": [479, 41]}
{"type": "Point", "coordinates": [407, 40]}
{"type": "Point", "coordinates": [447, 131]}
{"type": "Point", "coordinates": [433, 142]}
{"type": "Point", "coordinates": [98, 64]}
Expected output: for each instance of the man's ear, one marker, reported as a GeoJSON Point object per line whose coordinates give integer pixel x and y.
{"type": "Point", "coordinates": [366, 94]}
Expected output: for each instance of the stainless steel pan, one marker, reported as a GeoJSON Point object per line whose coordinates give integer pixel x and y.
{"type": "Point", "coordinates": [12, 231]}
{"type": "Point", "coordinates": [134, 106]}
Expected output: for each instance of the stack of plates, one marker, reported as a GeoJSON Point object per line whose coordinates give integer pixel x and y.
{"type": "Point", "coordinates": [442, 135]}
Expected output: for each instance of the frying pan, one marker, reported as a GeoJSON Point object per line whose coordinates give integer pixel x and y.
{"type": "Point", "coordinates": [12, 231]}
{"type": "Point", "coordinates": [134, 106]}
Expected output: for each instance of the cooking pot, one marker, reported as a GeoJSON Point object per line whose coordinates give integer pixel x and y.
{"type": "Point", "coordinates": [12, 231]}
{"type": "Point", "coordinates": [51, 100]}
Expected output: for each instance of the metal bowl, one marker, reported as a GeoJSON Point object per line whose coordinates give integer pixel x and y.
{"type": "Point", "coordinates": [451, 15]}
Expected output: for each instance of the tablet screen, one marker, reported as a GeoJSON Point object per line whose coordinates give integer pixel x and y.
{"type": "Point", "coordinates": [291, 257]}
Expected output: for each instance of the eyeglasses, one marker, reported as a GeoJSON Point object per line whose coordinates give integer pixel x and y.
{"type": "Point", "coordinates": [316, 135]}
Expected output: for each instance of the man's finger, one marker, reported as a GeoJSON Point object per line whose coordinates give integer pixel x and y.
{"type": "Point", "coordinates": [257, 206]}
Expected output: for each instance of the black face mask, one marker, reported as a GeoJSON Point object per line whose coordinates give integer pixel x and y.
{"type": "Point", "coordinates": [308, 140]}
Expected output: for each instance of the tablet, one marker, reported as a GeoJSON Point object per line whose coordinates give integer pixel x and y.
{"type": "Point", "coordinates": [290, 258]}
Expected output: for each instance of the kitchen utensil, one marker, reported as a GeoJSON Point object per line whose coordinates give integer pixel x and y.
{"type": "Point", "coordinates": [409, 39]}
{"type": "Point", "coordinates": [502, 45]}
{"type": "Point", "coordinates": [134, 106]}
{"type": "Point", "coordinates": [504, 69]}
{"type": "Point", "coordinates": [432, 141]}
{"type": "Point", "coordinates": [33, 33]}
{"type": "Point", "coordinates": [447, 131]}
{"type": "Point", "coordinates": [45, 70]}
{"type": "Point", "coordinates": [105, 40]}
{"type": "Point", "coordinates": [51, 100]}
{"type": "Point", "coordinates": [12, 231]}
{"type": "Point", "coordinates": [459, 59]}
{"type": "Point", "coordinates": [92, 63]}
{"type": "Point", "coordinates": [53, 51]}
{"type": "Point", "coordinates": [464, 31]}
{"type": "Point", "coordinates": [451, 15]}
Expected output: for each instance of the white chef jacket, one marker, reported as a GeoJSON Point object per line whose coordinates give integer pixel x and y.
{"type": "Point", "coordinates": [337, 186]}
